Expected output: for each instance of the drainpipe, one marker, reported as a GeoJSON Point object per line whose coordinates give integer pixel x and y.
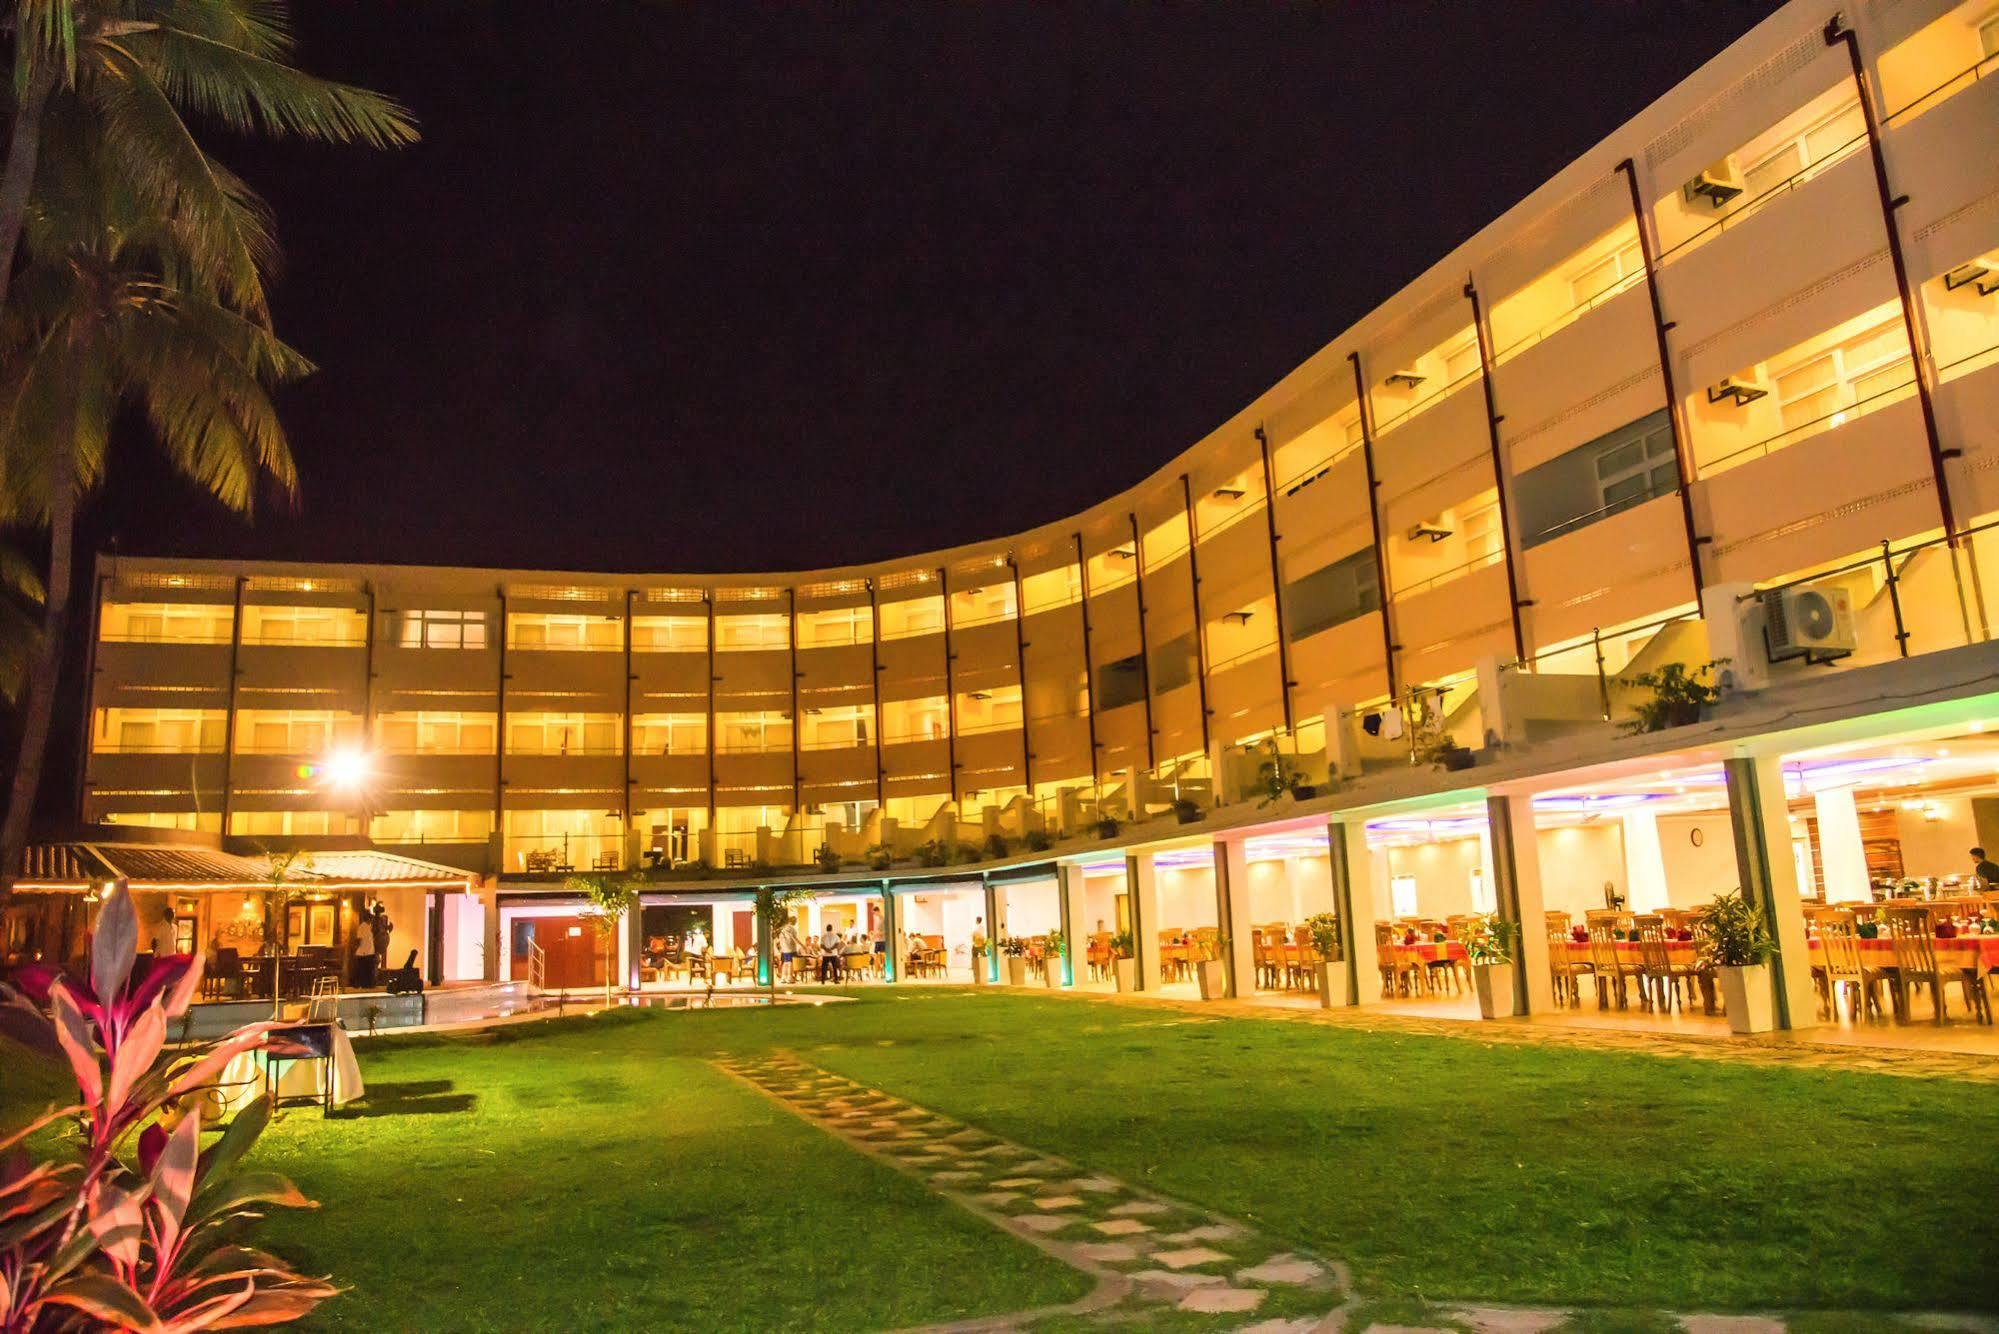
{"type": "Point", "coordinates": [500, 736]}
{"type": "Point", "coordinates": [1837, 33]}
{"type": "Point", "coordinates": [875, 684]}
{"type": "Point", "coordinates": [1388, 644]}
{"type": "Point", "coordinates": [631, 597]}
{"type": "Point", "coordinates": [797, 722]}
{"type": "Point", "coordinates": [1284, 681]}
{"type": "Point", "coordinates": [1089, 668]}
{"type": "Point", "coordinates": [1492, 421]}
{"type": "Point", "coordinates": [1144, 646]}
{"type": "Point", "coordinates": [1200, 626]}
{"type": "Point", "coordinates": [708, 598]}
{"type": "Point", "coordinates": [1683, 469]}
{"type": "Point", "coordinates": [229, 722]}
{"type": "Point", "coordinates": [950, 689]}
{"type": "Point", "coordinates": [1020, 670]}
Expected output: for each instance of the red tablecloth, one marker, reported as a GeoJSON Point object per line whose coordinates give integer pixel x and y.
{"type": "Point", "coordinates": [1430, 951]}
{"type": "Point", "coordinates": [1682, 953]}
{"type": "Point", "coordinates": [1980, 952]}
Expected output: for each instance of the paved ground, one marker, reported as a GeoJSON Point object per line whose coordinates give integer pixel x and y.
{"type": "Point", "coordinates": [1161, 1261]}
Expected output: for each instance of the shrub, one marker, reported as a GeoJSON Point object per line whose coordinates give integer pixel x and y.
{"type": "Point", "coordinates": [879, 857]}
{"type": "Point", "coordinates": [1677, 696]}
{"type": "Point", "coordinates": [1108, 827]}
{"type": "Point", "coordinates": [1122, 945]}
{"type": "Point", "coordinates": [1732, 934]}
{"type": "Point", "coordinates": [996, 845]}
{"type": "Point", "coordinates": [1489, 939]}
{"type": "Point", "coordinates": [825, 858]}
{"type": "Point", "coordinates": [1325, 932]}
{"type": "Point", "coordinates": [1038, 840]}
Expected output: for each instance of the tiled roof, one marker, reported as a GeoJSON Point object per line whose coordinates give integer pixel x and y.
{"type": "Point", "coordinates": [172, 864]}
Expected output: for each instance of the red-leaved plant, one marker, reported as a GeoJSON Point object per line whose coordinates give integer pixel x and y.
{"type": "Point", "coordinates": [135, 1233]}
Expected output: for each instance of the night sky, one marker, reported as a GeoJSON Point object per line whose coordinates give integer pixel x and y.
{"type": "Point", "coordinates": [722, 287]}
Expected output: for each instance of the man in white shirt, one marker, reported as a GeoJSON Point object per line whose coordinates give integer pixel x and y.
{"type": "Point", "coordinates": [162, 942]}
{"type": "Point", "coordinates": [829, 954]}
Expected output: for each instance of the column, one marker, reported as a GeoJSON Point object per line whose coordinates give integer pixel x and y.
{"type": "Point", "coordinates": [1644, 863]}
{"type": "Point", "coordinates": [891, 921]}
{"type": "Point", "coordinates": [991, 963]}
{"type": "Point", "coordinates": [1842, 858]}
{"type": "Point", "coordinates": [1353, 903]}
{"type": "Point", "coordinates": [631, 945]}
{"type": "Point", "coordinates": [1516, 868]}
{"type": "Point", "coordinates": [765, 967]}
{"type": "Point", "coordinates": [1070, 903]}
{"type": "Point", "coordinates": [489, 920]}
{"type": "Point", "coordinates": [1142, 892]}
{"type": "Point", "coordinates": [721, 934]}
{"type": "Point", "coordinates": [1238, 937]}
{"type": "Point", "coordinates": [1760, 819]}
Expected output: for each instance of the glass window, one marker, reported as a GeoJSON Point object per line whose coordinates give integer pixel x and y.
{"type": "Point", "coordinates": [1821, 140]}
{"type": "Point", "coordinates": [431, 826]}
{"type": "Point", "coordinates": [842, 625]}
{"type": "Point", "coordinates": [755, 733]}
{"type": "Point", "coordinates": [1597, 278]}
{"type": "Point", "coordinates": [1461, 360]}
{"type": "Point", "coordinates": [926, 719]}
{"type": "Point", "coordinates": [659, 634]}
{"type": "Point", "coordinates": [564, 631]}
{"type": "Point", "coordinates": [766, 631]}
{"type": "Point", "coordinates": [315, 627]}
{"type": "Point", "coordinates": [166, 622]}
{"type": "Point", "coordinates": [670, 734]}
{"type": "Point", "coordinates": [294, 731]}
{"type": "Point", "coordinates": [443, 733]}
{"type": "Point", "coordinates": [159, 731]}
{"type": "Point", "coordinates": [1824, 383]}
{"type": "Point", "coordinates": [442, 629]}
{"type": "Point", "coordinates": [837, 728]}
{"type": "Point", "coordinates": [564, 734]}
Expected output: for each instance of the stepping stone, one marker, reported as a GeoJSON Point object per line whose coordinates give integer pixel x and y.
{"type": "Point", "coordinates": [1209, 1232]}
{"type": "Point", "coordinates": [1058, 1202]}
{"type": "Point", "coordinates": [1303, 1325]}
{"type": "Point", "coordinates": [995, 1198]}
{"type": "Point", "coordinates": [1222, 1301]}
{"type": "Point", "coordinates": [1122, 1227]}
{"type": "Point", "coordinates": [1165, 1285]}
{"type": "Point", "coordinates": [1193, 1255]}
{"type": "Point", "coordinates": [1044, 1222]}
{"type": "Point", "coordinates": [1135, 1208]}
{"type": "Point", "coordinates": [956, 1174]}
{"type": "Point", "coordinates": [1095, 1185]}
{"type": "Point", "coordinates": [1010, 1182]}
{"type": "Point", "coordinates": [1108, 1252]}
{"type": "Point", "coordinates": [1292, 1269]}
{"type": "Point", "coordinates": [1731, 1324]}
{"type": "Point", "coordinates": [1495, 1320]}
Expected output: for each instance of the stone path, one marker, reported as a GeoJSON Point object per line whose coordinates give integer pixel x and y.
{"type": "Point", "coordinates": [1156, 1258]}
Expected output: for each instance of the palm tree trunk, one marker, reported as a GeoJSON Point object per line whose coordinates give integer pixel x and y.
{"type": "Point", "coordinates": [17, 178]}
{"type": "Point", "coordinates": [45, 664]}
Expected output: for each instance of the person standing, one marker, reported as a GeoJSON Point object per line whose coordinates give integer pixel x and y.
{"type": "Point", "coordinates": [162, 941]}
{"type": "Point", "coordinates": [829, 954]}
{"type": "Point", "coordinates": [788, 948]}
{"type": "Point", "coordinates": [1984, 868]}
{"type": "Point", "coordinates": [381, 929]}
{"type": "Point", "coordinates": [364, 952]}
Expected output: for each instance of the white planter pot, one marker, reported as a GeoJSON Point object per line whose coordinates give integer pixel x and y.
{"type": "Point", "coordinates": [1746, 993]}
{"type": "Point", "coordinates": [1494, 984]}
{"type": "Point", "coordinates": [1214, 978]}
{"type": "Point", "coordinates": [1127, 974]}
{"type": "Point", "coordinates": [1016, 970]}
{"type": "Point", "coordinates": [981, 968]}
{"type": "Point", "coordinates": [1051, 971]}
{"type": "Point", "coordinates": [1333, 988]}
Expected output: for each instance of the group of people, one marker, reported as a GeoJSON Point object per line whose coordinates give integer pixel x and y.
{"type": "Point", "coordinates": [797, 953]}
{"type": "Point", "coordinates": [371, 940]}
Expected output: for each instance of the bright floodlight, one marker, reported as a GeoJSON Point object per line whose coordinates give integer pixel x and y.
{"type": "Point", "coordinates": [347, 768]}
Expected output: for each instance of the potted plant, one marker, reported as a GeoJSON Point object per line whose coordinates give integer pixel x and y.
{"type": "Point", "coordinates": [1051, 961]}
{"type": "Point", "coordinates": [826, 859]}
{"type": "Point", "coordinates": [1277, 778]}
{"type": "Point", "coordinates": [1015, 950]}
{"type": "Point", "coordinates": [1038, 840]}
{"type": "Point", "coordinates": [1489, 943]}
{"type": "Point", "coordinates": [997, 846]}
{"type": "Point", "coordinates": [1107, 827]}
{"type": "Point", "coordinates": [1123, 966]}
{"type": "Point", "coordinates": [1213, 974]}
{"type": "Point", "coordinates": [980, 958]}
{"type": "Point", "coordinates": [1185, 811]}
{"type": "Point", "coordinates": [1734, 941]}
{"type": "Point", "coordinates": [1678, 696]}
{"type": "Point", "coordinates": [1324, 929]}
{"type": "Point", "coordinates": [1434, 746]}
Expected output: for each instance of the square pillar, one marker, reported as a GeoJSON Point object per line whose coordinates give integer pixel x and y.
{"type": "Point", "coordinates": [1069, 902]}
{"type": "Point", "coordinates": [631, 945]}
{"type": "Point", "coordinates": [891, 923]}
{"type": "Point", "coordinates": [991, 963]}
{"type": "Point", "coordinates": [765, 967]}
{"type": "Point", "coordinates": [1238, 937]}
{"type": "Point", "coordinates": [1842, 857]}
{"type": "Point", "coordinates": [1142, 889]}
{"type": "Point", "coordinates": [1353, 904]}
{"type": "Point", "coordinates": [1645, 887]}
{"type": "Point", "coordinates": [1760, 819]}
{"type": "Point", "coordinates": [1516, 871]}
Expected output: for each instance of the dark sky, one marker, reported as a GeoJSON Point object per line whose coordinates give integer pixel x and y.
{"type": "Point", "coordinates": [729, 286]}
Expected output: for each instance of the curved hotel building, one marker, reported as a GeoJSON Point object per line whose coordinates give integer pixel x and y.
{"type": "Point", "coordinates": [1726, 389]}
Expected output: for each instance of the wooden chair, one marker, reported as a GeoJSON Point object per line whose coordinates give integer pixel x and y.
{"type": "Point", "coordinates": [1611, 975]}
{"type": "Point", "coordinates": [1396, 976]}
{"type": "Point", "coordinates": [1913, 931]}
{"type": "Point", "coordinates": [1661, 976]}
{"type": "Point", "coordinates": [1840, 965]}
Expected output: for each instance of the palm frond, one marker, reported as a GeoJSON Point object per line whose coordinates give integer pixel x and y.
{"type": "Point", "coordinates": [19, 576]}
{"type": "Point", "coordinates": [253, 93]}
{"type": "Point", "coordinates": [43, 30]}
{"type": "Point", "coordinates": [226, 229]}
{"type": "Point", "coordinates": [261, 27]}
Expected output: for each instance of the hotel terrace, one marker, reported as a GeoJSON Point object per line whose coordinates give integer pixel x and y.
{"type": "Point", "coordinates": [1725, 390]}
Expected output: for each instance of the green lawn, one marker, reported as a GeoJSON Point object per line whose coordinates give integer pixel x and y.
{"type": "Point", "coordinates": [597, 1173]}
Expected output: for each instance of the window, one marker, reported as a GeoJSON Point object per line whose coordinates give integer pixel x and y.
{"type": "Point", "coordinates": [660, 634]}
{"type": "Point", "coordinates": [291, 823]}
{"type": "Point", "coordinates": [1820, 141]}
{"type": "Point", "coordinates": [432, 826]}
{"type": "Point", "coordinates": [564, 734]}
{"type": "Point", "coordinates": [926, 719]}
{"type": "Point", "coordinates": [166, 622]}
{"type": "Point", "coordinates": [190, 820]}
{"type": "Point", "coordinates": [1120, 682]}
{"type": "Point", "coordinates": [1597, 278]}
{"type": "Point", "coordinates": [976, 606]}
{"type": "Point", "coordinates": [1461, 360]}
{"type": "Point", "coordinates": [837, 728]}
{"type": "Point", "coordinates": [752, 632]}
{"type": "Point", "coordinates": [1402, 895]}
{"type": "Point", "coordinates": [1610, 474]}
{"type": "Point", "coordinates": [1332, 595]}
{"type": "Point", "coordinates": [670, 734]}
{"type": "Point", "coordinates": [159, 731]}
{"type": "Point", "coordinates": [988, 710]}
{"type": "Point", "coordinates": [912, 616]}
{"type": "Point", "coordinates": [754, 733]}
{"type": "Point", "coordinates": [309, 627]}
{"type": "Point", "coordinates": [1480, 530]}
{"type": "Point", "coordinates": [443, 733]}
{"type": "Point", "coordinates": [442, 629]}
{"type": "Point", "coordinates": [294, 731]}
{"type": "Point", "coordinates": [1854, 371]}
{"type": "Point", "coordinates": [1636, 468]}
{"type": "Point", "coordinates": [843, 625]}
{"type": "Point", "coordinates": [1174, 663]}
{"type": "Point", "coordinates": [564, 631]}
{"type": "Point", "coordinates": [1988, 35]}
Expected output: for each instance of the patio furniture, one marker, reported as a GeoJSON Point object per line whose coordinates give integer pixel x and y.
{"type": "Point", "coordinates": [1913, 931]}
{"type": "Point", "coordinates": [224, 976]}
{"type": "Point", "coordinates": [1664, 968]}
{"type": "Point", "coordinates": [1838, 964]}
{"type": "Point", "coordinates": [1612, 977]}
{"type": "Point", "coordinates": [604, 861]}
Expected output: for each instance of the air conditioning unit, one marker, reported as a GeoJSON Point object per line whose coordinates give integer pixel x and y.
{"type": "Point", "coordinates": [1809, 621]}
{"type": "Point", "coordinates": [1430, 528]}
{"type": "Point", "coordinates": [1403, 379]}
{"type": "Point", "coordinates": [1744, 389]}
{"type": "Point", "coordinates": [1718, 184]}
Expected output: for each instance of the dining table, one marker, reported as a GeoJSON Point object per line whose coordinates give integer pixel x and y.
{"type": "Point", "coordinates": [1979, 953]}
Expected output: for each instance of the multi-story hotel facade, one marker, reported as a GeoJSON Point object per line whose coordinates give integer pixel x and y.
{"type": "Point", "coordinates": [1749, 343]}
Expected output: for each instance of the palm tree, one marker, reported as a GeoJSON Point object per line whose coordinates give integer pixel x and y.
{"type": "Point", "coordinates": [110, 315]}
{"type": "Point", "coordinates": [20, 597]}
{"type": "Point", "coordinates": [135, 66]}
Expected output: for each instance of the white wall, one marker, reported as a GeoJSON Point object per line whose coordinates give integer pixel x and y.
{"type": "Point", "coordinates": [1695, 874]}
{"type": "Point", "coordinates": [1186, 899]}
{"type": "Point", "coordinates": [1940, 847]}
{"type": "Point", "coordinates": [1030, 909]}
{"type": "Point", "coordinates": [1577, 861]}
